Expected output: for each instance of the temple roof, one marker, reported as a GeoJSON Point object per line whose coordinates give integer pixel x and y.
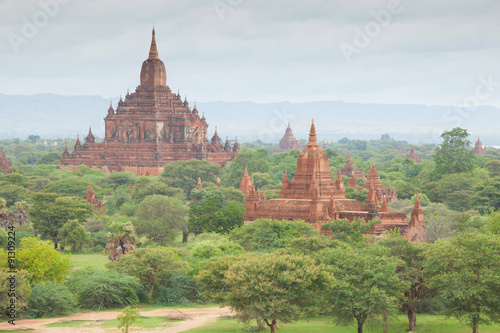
{"type": "Point", "coordinates": [153, 70]}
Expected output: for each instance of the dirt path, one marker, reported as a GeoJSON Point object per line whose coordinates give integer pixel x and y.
{"type": "Point", "coordinates": [192, 318]}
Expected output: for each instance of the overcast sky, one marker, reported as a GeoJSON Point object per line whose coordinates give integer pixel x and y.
{"type": "Point", "coordinates": [424, 52]}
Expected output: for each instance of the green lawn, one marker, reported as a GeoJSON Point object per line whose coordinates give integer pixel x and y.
{"type": "Point", "coordinates": [145, 322]}
{"type": "Point", "coordinates": [85, 260]}
{"type": "Point", "coordinates": [425, 324]}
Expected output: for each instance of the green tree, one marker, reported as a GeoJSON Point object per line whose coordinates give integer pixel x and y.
{"type": "Point", "coordinates": [349, 232]}
{"type": "Point", "coordinates": [49, 213]}
{"type": "Point", "coordinates": [14, 193]}
{"type": "Point", "coordinates": [412, 256]}
{"type": "Point", "coordinates": [454, 155]}
{"type": "Point", "coordinates": [465, 274]}
{"type": "Point", "coordinates": [493, 168]}
{"type": "Point", "coordinates": [150, 265]}
{"type": "Point", "coordinates": [254, 160]}
{"type": "Point", "coordinates": [71, 186]}
{"type": "Point", "coordinates": [17, 179]}
{"type": "Point", "coordinates": [487, 196]}
{"type": "Point", "coordinates": [128, 318]}
{"type": "Point", "coordinates": [267, 235]}
{"type": "Point", "coordinates": [494, 223]}
{"type": "Point", "coordinates": [121, 239]}
{"type": "Point", "coordinates": [184, 174]}
{"type": "Point", "coordinates": [142, 190]}
{"type": "Point", "coordinates": [273, 287]}
{"type": "Point", "coordinates": [42, 261]}
{"type": "Point", "coordinates": [212, 214]}
{"type": "Point", "coordinates": [159, 216]}
{"type": "Point", "coordinates": [368, 286]}
{"type": "Point", "coordinates": [73, 233]}
{"type": "Point", "coordinates": [116, 179]}
{"type": "Point", "coordinates": [49, 158]}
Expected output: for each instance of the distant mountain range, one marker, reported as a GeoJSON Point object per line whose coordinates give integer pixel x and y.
{"type": "Point", "coordinates": [51, 115]}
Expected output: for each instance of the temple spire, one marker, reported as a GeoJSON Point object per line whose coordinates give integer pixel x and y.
{"type": "Point", "coordinates": [313, 142]}
{"type": "Point", "coordinates": [417, 203]}
{"type": "Point", "coordinates": [153, 51]}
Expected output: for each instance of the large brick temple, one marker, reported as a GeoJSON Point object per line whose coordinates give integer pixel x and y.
{"type": "Point", "coordinates": [314, 197]}
{"type": "Point", "coordinates": [150, 128]}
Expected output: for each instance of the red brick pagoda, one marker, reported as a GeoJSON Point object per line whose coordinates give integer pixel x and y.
{"type": "Point", "coordinates": [99, 209]}
{"type": "Point", "coordinates": [373, 180]}
{"type": "Point", "coordinates": [150, 128]}
{"type": "Point", "coordinates": [314, 197]}
{"type": "Point", "coordinates": [478, 147]}
{"type": "Point", "coordinates": [349, 169]}
{"type": "Point", "coordinates": [413, 155]}
{"type": "Point", "coordinates": [288, 141]}
{"type": "Point", "coordinates": [5, 164]}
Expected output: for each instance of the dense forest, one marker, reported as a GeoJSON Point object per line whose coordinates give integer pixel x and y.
{"type": "Point", "coordinates": [169, 243]}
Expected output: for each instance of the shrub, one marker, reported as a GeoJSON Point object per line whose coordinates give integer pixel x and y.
{"type": "Point", "coordinates": [99, 290]}
{"type": "Point", "coordinates": [50, 300]}
{"type": "Point", "coordinates": [208, 249]}
{"type": "Point", "coordinates": [266, 235]}
{"type": "Point", "coordinates": [179, 289]}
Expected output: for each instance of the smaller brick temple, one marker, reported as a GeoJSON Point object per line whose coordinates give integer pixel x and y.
{"type": "Point", "coordinates": [478, 147]}
{"type": "Point", "coordinates": [313, 196]}
{"type": "Point", "coordinates": [99, 209]}
{"type": "Point", "coordinates": [288, 141]}
{"type": "Point", "coordinates": [373, 180]}
{"type": "Point", "coordinates": [413, 155]}
{"type": "Point", "coordinates": [349, 169]}
{"type": "Point", "coordinates": [5, 164]}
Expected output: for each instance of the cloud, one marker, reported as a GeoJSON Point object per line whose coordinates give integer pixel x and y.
{"type": "Point", "coordinates": [432, 52]}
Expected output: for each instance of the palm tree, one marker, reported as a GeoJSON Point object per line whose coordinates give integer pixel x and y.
{"type": "Point", "coordinates": [10, 217]}
{"type": "Point", "coordinates": [120, 239]}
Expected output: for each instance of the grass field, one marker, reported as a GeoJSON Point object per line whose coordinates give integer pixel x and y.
{"type": "Point", "coordinates": [145, 322]}
{"type": "Point", "coordinates": [425, 324]}
{"type": "Point", "coordinates": [85, 260]}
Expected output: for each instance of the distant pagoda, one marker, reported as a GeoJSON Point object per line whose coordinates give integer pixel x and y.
{"type": "Point", "coordinates": [288, 141]}
{"type": "Point", "coordinates": [478, 147]}
{"type": "Point", "coordinates": [150, 128]}
{"type": "Point", "coordinates": [413, 155]}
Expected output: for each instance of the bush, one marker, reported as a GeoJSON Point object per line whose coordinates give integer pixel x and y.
{"type": "Point", "coordinates": [208, 249]}
{"type": "Point", "coordinates": [179, 289]}
{"type": "Point", "coordinates": [266, 235]}
{"type": "Point", "coordinates": [100, 290]}
{"type": "Point", "coordinates": [50, 300]}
